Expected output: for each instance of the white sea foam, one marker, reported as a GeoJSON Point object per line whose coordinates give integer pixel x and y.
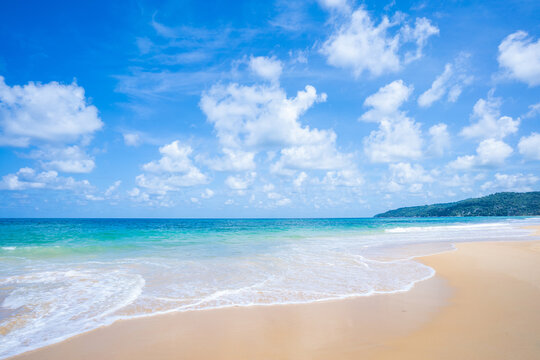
{"type": "Point", "coordinates": [466, 227]}
{"type": "Point", "coordinates": [50, 305]}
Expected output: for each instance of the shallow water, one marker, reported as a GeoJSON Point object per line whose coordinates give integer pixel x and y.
{"type": "Point", "coordinates": [60, 277]}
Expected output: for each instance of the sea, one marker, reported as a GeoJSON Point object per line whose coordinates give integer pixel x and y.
{"type": "Point", "coordinates": [62, 277]}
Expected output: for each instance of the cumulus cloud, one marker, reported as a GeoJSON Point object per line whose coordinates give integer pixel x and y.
{"type": "Point", "coordinates": [404, 174]}
{"type": "Point", "coordinates": [529, 146]}
{"type": "Point", "coordinates": [450, 83]}
{"type": "Point", "coordinates": [207, 194]}
{"type": "Point", "coordinates": [465, 182]}
{"type": "Point", "coordinates": [394, 141]}
{"type": "Point", "coordinates": [385, 103]}
{"type": "Point", "coordinates": [321, 156]}
{"type": "Point", "coordinates": [519, 57]}
{"type": "Point", "coordinates": [265, 67]}
{"type": "Point", "coordinates": [28, 178]}
{"type": "Point", "coordinates": [233, 160]}
{"type": "Point", "coordinates": [260, 117]}
{"type": "Point", "coordinates": [52, 112]}
{"type": "Point", "coordinates": [489, 122]}
{"type": "Point", "coordinates": [68, 159]}
{"type": "Point", "coordinates": [507, 182]}
{"type": "Point", "coordinates": [350, 178]}
{"type": "Point", "coordinates": [440, 139]}
{"type": "Point", "coordinates": [300, 179]}
{"type": "Point", "coordinates": [173, 171]}
{"type": "Point", "coordinates": [275, 198]}
{"type": "Point", "coordinates": [283, 202]}
{"type": "Point", "coordinates": [363, 46]}
{"type": "Point", "coordinates": [398, 136]}
{"type": "Point", "coordinates": [489, 153]}
{"type": "Point", "coordinates": [241, 182]}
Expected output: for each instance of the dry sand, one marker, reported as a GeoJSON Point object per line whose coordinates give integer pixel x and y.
{"type": "Point", "coordinates": [484, 303]}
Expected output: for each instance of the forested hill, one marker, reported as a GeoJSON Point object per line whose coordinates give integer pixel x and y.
{"type": "Point", "coordinates": [499, 204]}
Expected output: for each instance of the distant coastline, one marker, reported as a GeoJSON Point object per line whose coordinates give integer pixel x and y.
{"type": "Point", "coordinates": [498, 204]}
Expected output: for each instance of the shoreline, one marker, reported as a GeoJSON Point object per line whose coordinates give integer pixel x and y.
{"type": "Point", "coordinates": [421, 302]}
{"type": "Point", "coordinates": [363, 331]}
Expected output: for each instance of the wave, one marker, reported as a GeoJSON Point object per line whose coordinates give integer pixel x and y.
{"type": "Point", "coordinates": [488, 226]}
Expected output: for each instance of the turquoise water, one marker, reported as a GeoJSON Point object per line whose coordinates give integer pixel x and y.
{"type": "Point", "coordinates": [61, 277]}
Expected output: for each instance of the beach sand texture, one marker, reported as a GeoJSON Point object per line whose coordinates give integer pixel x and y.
{"type": "Point", "coordinates": [484, 303]}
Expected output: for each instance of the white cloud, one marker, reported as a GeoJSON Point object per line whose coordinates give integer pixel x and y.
{"type": "Point", "coordinates": [340, 5]}
{"type": "Point", "coordinates": [268, 187]}
{"type": "Point", "coordinates": [506, 182]}
{"type": "Point", "coordinates": [398, 136]}
{"type": "Point", "coordinates": [465, 181]}
{"type": "Point", "coordinates": [132, 139]}
{"type": "Point", "coordinates": [440, 139]}
{"type": "Point", "coordinates": [173, 171]}
{"type": "Point", "coordinates": [207, 194]}
{"type": "Point", "coordinates": [69, 159]}
{"type": "Point", "coordinates": [419, 34]}
{"type": "Point", "coordinates": [450, 83]}
{"type": "Point", "coordinates": [259, 116]}
{"type": "Point", "coordinates": [405, 173]}
{"type": "Point", "coordinates": [241, 182]}
{"type": "Point", "coordinates": [233, 160]}
{"type": "Point", "coordinates": [489, 153]}
{"type": "Point", "coordinates": [175, 158]}
{"type": "Point", "coordinates": [163, 183]}
{"type": "Point", "coordinates": [493, 152]}
{"type": "Point", "coordinates": [51, 112]}
{"type": "Point", "coordinates": [251, 119]}
{"type": "Point", "coordinates": [529, 146]}
{"type": "Point", "coordinates": [386, 101]}
{"type": "Point", "coordinates": [268, 68]}
{"type": "Point", "coordinates": [322, 156]}
{"type": "Point", "coordinates": [299, 180]}
{"type": "Point", "coordinates": [299, 56]}
{"type": "Point", "coordinates": [350, 178]}
{"type": "Point", "coordinates": [164, 30]}
{"type": "Point", "coordinates": [273, 195]}
{"type": "Point", "coordinates": [394, 141]}
{"type": "Point", "coordinates": [360, 45]}
{"type": "Point", "coordinates": [139, 196]}
{"type": "Point", "coordinates": [276, 198]}
{"type": "Point", "coordinates": [92, 197]}
{"type": "Point", "coordinates": [112, 189]}
{"type": "Point", "coordinates": [534, 110]}
{"type": "Point", "coordinates": [283, 202]}
{"type": "Point", "coordinates": [27, 178]}
{"type": "Point", "coordinates": [464, 162]}
{"type": "Point", "coordinates": [489, 122]}
{"type": "Point", "coordinates": [519, 56]}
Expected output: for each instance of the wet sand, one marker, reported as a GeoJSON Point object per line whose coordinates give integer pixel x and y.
{"type": "Point", "coordinates": [484, 303]}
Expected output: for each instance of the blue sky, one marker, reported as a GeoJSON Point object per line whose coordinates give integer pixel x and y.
{"type": "Point", "coordinates": [327, 108]}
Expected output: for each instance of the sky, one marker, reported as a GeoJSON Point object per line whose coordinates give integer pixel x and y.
{"type": "Point", "coordinates": [328, 108]}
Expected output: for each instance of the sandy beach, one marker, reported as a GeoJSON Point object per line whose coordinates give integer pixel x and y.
{"type": "Point", "coordinates": [484, 303]}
